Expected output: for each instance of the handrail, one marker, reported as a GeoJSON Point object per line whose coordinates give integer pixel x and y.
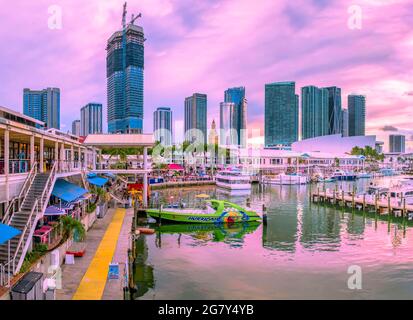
{"type": "Point", "coordinates": [22, 194]}
{"type": "Point", "coordinates": [48, 184]}
{"type": "Point", "coordinates": [38, 207]}
{"type": "Point", "coordinates": [29, 223]}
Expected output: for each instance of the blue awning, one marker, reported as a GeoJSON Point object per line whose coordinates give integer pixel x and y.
{"type": "Point", "coordinates": [67, 191]}
{"type": "Point", "coordinates": [7, 233]}
{"type": "Point", "coordinates": [97, 181]}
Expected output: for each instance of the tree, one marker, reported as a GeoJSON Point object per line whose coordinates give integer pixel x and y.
{"type": "Point", "coordinates": [71, 227]}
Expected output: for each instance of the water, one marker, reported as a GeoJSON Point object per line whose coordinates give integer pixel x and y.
{"type": "Point", "coordinates": [304, 252]}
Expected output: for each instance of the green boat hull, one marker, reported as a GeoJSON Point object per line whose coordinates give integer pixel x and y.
{"type": "Point", "coordinates": [225, 212]}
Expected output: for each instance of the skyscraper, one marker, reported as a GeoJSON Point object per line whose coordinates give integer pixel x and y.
{"type": "Point", "coordinates": [162, 119]}
{"type": "Point", "coordinates": [344, 123]}
{"type": "Point", "coordinates": [356, 115]}
{"type": "Point", "coordinates": [124, 72]}
{"type": "Point", "coordinates": [91, 119]}
{"type": "Point", "coordinates": [239, 117]}
{"type": "Point", "coordinates": [43, 105]}
{"type": "Point", "coordinates": [228, 132]}
{"type": "Point", "coordinates": [334, 110]}
{"type": "Point", "coordinates": [397, 143]}
{"type": "Point", "coordinates": [281, 114]}
{"type": "Point", "coordinates": [76, 127]}
{"type": "Point", "coordinates": [196, 116]}
{"type": "Point", "coordinates": [213, 135]}
{"type": "Point", "coordinates": [314, 108]}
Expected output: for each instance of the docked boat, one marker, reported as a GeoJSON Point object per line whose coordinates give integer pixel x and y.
{"type": "Point", "coordinates": [343, 175]}
{"type": "Point", "coordinates": [212, 211]}
{"type": "Point", "coordinates": [364, 175]}
{"type": "Point", "coordinates": [233, 179]}
{"type": "Point", "coordinates": [286, 179]}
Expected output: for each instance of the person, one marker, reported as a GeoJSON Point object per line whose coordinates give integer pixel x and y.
{"type": "Point", "coordinates": [22, 166]}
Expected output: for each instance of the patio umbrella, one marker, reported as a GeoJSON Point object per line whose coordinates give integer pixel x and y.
{"type": "Point", "coordinates": [7, 233]}
{"type": "Point", "coordinates": [54, 211]}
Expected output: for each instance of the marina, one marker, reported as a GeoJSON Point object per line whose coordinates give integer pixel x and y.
{"type": "Point", "coordinates": [303, 251]}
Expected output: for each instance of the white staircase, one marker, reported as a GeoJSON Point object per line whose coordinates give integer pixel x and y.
{"type": "Point", "coordinates": [31, 204]}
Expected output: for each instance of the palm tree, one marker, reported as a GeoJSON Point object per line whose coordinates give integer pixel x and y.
{"type": "Point", "coordinates": [71, 227]}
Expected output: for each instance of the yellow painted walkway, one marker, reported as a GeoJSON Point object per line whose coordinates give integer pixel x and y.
{"type": "Point", "coordinates": [93, 283]}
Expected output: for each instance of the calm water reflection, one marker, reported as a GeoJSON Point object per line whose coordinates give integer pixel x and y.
{"type": "Point", "coordinates": [303, 252]}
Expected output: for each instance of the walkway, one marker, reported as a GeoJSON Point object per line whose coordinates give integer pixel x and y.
{"type": "Point", "coordinates": [93, 283]}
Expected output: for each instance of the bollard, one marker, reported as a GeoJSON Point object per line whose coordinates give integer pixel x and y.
{"type": "Point", "coordinates": [264, 214]}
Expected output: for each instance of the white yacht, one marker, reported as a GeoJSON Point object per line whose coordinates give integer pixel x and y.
{"type": "Point", "coordinates": [233, 179]}
{"type": "Point", "coordinates": [287, 179]}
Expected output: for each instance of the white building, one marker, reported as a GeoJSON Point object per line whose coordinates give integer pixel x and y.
{"type": "Point", "coordinates": [333, 144]}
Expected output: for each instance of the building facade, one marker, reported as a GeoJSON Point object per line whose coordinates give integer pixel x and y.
{"type": "Point", "coordinates": [281, 114]}
{"type": "Point", "coordinates": [91, 119]}
{"type": "Point", "coordinates": [239, 116]}
{"type": "Point", "coordinates": [356, 115]}
{"type": "Point", "coordinates": [213, 134]}
{"type": "Point", "coordinates": [334, 110]}
{"type": "Point", "coordinates": [344, 123]}
{"type": "Point", "coordinates": [397, 143]}
{"type": "Point", "coordinates": [76, 128]}
{"type": "Point", "coordinates": [196, 117]}
{"type": "Point", "coordinates": [162, 125]}
{"type": "Point", "coordinates": [227, 115]}
{"type": "Point", "coordinates": [124, 71]}
{"type": "Point", "coordinates": [314, 108]}
{"type": "Point", "coordinates": [43, 105]}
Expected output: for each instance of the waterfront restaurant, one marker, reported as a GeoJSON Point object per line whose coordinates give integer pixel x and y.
{"type": "Point", "coordinates": [25, 143]}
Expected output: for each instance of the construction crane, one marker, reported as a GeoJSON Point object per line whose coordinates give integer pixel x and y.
{"type": "Point", "coordinates": [124, 16]}
{"type": "Point", "coordinates": [134, 18]}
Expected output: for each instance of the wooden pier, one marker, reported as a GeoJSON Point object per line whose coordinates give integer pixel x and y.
{"type": "Point", "coordinates": [364, 202]}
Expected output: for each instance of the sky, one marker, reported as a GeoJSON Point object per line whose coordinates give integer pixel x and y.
{"type": "Point", "coordinates": [210, 45]}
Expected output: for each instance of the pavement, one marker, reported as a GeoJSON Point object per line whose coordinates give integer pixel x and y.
{"type": "Point", "coordinates": [106, 241]}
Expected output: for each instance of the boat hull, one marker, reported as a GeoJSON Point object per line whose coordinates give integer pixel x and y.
{"type": "Point", "coordinates": [174, 217]}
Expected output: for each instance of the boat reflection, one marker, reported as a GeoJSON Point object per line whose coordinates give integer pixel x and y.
{"type": "Point", "coordinates": [207, 232]}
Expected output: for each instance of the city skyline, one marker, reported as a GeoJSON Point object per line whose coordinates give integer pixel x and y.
{"type": "Point", "coordinates": [379, 73]}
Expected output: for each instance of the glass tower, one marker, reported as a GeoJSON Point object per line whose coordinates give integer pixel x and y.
{"type": "Point", "coordinates": [334, 110]}
{"type": "Point", "coordinates": [76, 127]}
{"type": "Point", "coordinates": [314, 108]}
{"type": "Point", "coordinates": [196, 116]}
{"type": "Point", "coordinates": [91, 119]}
{"type": "Point", "coordinates": [43, 105]}
{"type": "Point", "coordinates": [397, 143]}
{"type": "Point", "coordinates": [356, 115]}
{"type": "Point", "coordinates": [124, 71]}
{"type": "Point", "coordinates": [281, 114]}
{"type": "Point", "coordinates": [344, 123]}
{"type": "Point", "coordinates": [239, 114]}
{"type": "Point", "coordinates": [162, 119]}
{"type": "Point", "coordinates": [228, 129]}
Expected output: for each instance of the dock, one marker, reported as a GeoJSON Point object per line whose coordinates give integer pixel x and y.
{"type": "Point", "coordinates": [363, 202]}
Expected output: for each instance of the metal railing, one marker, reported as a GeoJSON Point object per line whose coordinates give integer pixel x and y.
{"type": "Point", "coordinates": [37, 209]}
{"type": "Point", "coordinates": [23, 193]}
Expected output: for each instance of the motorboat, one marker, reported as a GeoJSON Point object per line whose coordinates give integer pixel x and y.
{"type": "Point", "coordinates": [212, 211]}
{"type": "Point", "coordinates": [287, 179]}
{"type": "Point", "coordinates": [233, 179]}
{"type": "Point", "coordinates": [343, 175]}
{"type": "Point", "coordinates": [364, 175]}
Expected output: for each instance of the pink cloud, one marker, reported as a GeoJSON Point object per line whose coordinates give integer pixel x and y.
{"type": "Point", "coordinates": [210, 46]}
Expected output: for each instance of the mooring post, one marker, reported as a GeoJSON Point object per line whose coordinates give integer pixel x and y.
{"type": "Point", "coordinates": [264, 214]}
{"type": "Point", "coordinates": [388, 204]}
{"type": "Point", "coordinates": [364, 201]}
{"type": "Point", "coordinates": [375, 202]}
{"type": "Point", "coordinates": [352, 198]}
{"type": "Point", "coordinates": [342, 198]}
{"type": "Point", "coordinates": [404, 207]}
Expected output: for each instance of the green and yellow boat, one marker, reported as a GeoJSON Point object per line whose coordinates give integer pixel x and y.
{"type": "Point", "coordinates": [213, 211]}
